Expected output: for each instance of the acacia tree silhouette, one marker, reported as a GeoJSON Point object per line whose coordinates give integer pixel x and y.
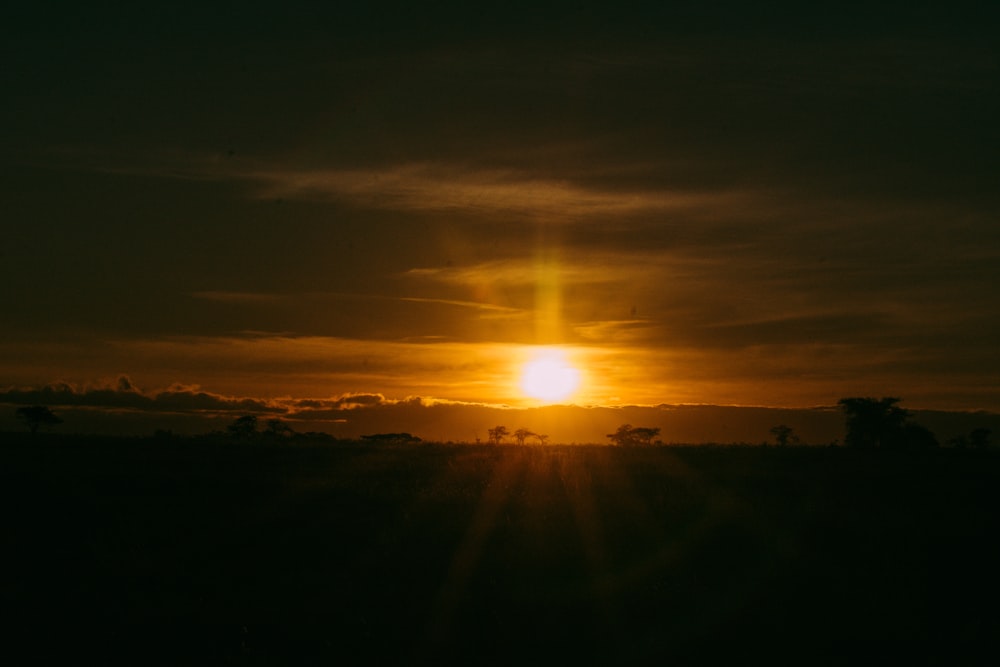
{"type": "Point", "coordinates": [627, 435]}
{"type": "Point", "coordinates": [497, 434]}
{"type": "Point", "coordinates": [36, 416]}
{"type": "Point", "coordinates": [521, 434]}
{"type": "Point", "coordinates": [784, 435]}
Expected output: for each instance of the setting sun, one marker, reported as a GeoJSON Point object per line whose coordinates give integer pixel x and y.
{"type": "Point", "coordinates": [548, 376]}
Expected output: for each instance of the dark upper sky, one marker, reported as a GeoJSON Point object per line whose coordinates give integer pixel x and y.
{"type": "Point", "coordinates": [712, 203]}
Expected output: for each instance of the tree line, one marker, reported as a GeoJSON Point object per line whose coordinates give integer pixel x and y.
{"type": "Point", "coordinates": [498, 433]}
{"type": "Point", "coordinates": [871, 423]}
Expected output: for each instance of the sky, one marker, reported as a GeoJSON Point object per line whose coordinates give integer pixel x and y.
{"type": "Point", "coordinates": [313, 212]}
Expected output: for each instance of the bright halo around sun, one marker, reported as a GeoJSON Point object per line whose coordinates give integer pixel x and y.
{"type": "Point", "coordinates": [549, 377]}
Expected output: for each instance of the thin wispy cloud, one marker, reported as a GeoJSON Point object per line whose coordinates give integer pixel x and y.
{"type": "Point", "coordinates": [485, 309]}
{"type": "Point", "coordinates": [439, 186]}
{"type": "Point", "coordinates": [449, 187]}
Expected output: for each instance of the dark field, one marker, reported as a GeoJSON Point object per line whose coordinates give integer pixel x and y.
{"type": "Point", "coordinates": [193, 552]}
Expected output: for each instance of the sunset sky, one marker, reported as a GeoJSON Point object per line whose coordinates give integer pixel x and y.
{"type": "Point", "coordinates": [285, 211]}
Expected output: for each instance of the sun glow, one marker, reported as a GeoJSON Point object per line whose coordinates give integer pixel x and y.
{"type": "Point", "coordinates": [548, 376]}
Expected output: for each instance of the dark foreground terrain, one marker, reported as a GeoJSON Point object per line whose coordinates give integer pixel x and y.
{"type": "Point", "coordinates": [190, 552]}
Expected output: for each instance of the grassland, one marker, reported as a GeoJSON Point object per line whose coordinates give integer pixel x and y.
{"type": "Point", "coordinates": [204, 552]}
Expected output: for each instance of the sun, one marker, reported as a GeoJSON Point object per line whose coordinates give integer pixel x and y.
{"type": "Point", "coordinates": [548, 376]}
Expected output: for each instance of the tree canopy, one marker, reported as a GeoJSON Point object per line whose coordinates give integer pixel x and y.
{"type": "Point", "coordinates": [784, 435]}
{"type": "Point", "coordinates": [880, 423]}
{"type": "Point", "coordinates": [243, 427]}
{"type": "Point", "coordinates": [497, 434]}
{"type": "Point", "coordinates": [627, 435]}
{"type": "Point", "coordinates": [35, 416]}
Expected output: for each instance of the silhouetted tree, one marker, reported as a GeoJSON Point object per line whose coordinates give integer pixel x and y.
{"type": "Point", "coordinates": [622, 435]}
{"type": "Point", "coordinates": [542, 438]}
{"type": "Point", "coordinates": [35, 416]}
{"type": "Point", "coordinates": [626, 435]}
{"type": "Point", "coordinates": [784, 435]}
{"type": "Point", "coordinates": [645, 435]}
{"type": "Point", "coordinates": [277, 428]}
{"type": "Point", "coordinates": [873, 422]}
{"type": "Point", "coordinates": [243, 427]}
{"type": "Point", "coordinates": [521, 434]}
{"type": "Point", "coordinates": [497, 434]}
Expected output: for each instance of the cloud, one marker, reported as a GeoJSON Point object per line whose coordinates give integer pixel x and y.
{"type": "Point", "coordinates": [455, 186]}
{"type": "Point", "coordinates": [352, 401]}
{"type": "Point", "coordinates": [614, 331]}
{"type": "Point", "coordinates": [186, 398]}
{"type": "Point", "coordinates": [487, 309]}
{"type": "Point", "coordinates": [449, 187]}
{"type": "Point", "coordinates": [125, 395]}
{"type": "Point", "coordinates": [124, 385]}
{"type": "Point", "coordinates": [180, 399]}
{"type": "Point", "coordinates": [126, 402]}
{"type": "Point", "coordinates": [528, 271]}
